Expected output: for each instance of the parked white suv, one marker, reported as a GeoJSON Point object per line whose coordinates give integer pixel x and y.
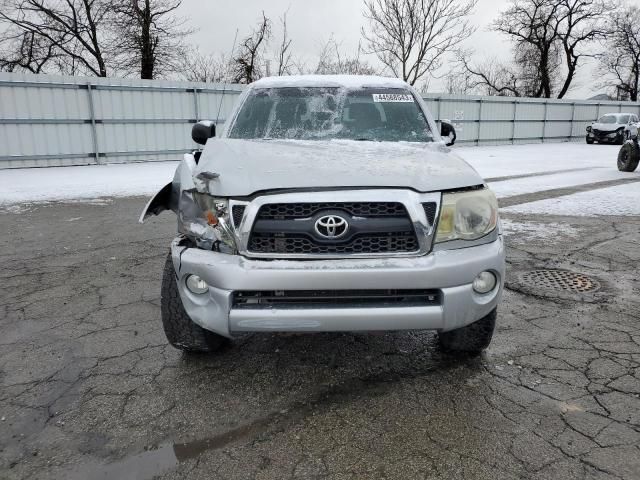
{"type": "Point", "coordinates": [611, 128]}
{"type": "Point", "coordinates": [329, 203]}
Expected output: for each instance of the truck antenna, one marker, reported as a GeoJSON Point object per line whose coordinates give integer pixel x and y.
{"type": "Point", "coordinates": [224, 88]}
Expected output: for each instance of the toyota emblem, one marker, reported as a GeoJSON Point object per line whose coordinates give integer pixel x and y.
{"type": "Point", "coordinates": [331, 226]}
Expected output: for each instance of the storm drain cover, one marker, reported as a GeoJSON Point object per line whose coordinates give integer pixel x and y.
{"type": "Point", "coordinates": [559, 280]}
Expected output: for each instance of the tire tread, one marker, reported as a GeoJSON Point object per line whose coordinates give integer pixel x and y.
{"type": "Point", "coordinates": [179, 329]}
{"type": "Point", "coordinates": [628, 157]}
{"type": "Point", "coordinates": [471, 339]}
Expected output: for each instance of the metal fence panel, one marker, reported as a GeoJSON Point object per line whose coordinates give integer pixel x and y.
{"type": "Point", "coordinates": [527, 130]}
{"type": "Point", "coordinates": [520, 120]}
{"type": "Point", "coordinates": [493, 111]}
{"type": "Point", "coordinates": [52, 120]}
{"type": "Point", "coordinates": [561, 111]}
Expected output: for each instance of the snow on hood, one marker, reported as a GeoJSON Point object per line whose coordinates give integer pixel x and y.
{"type": "Point", "coordinates": [249, 166]}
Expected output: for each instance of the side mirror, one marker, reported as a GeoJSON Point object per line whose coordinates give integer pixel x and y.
{"type": "Point", "coordinates": [203, 131]}
{"type": "Point", "coordinates": [448, 132]}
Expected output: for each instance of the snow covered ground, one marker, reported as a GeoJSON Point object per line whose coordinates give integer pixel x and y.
{"type": "Point", "coordinates": [597, 164]}
{"type": "Point", "coordinates": [509, 188]}
{"type": "Point", "coordinates": [537, 230]}
{"type": "Point", "coordinates": [509, 160]}
{"type": "Point", "coordinates": [620, 200]}
{"type": "Point", "coordinates": [37, 185]}
{"type": "Point", "coordinates": [587, 164]}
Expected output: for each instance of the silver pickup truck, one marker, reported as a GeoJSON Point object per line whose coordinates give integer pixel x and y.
{"type": "Point", "coordinates": [330, 203]}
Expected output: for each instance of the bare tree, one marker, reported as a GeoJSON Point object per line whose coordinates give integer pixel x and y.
{"type": "Point", "coordinates": [248, 63]}
{"type": "Point", "coordinates": [620, 61]}
{"type": "Point", "coordinates": [494, 78]}
{"type": "Point", "coordinates": [519, 78]}
{"type": "Point", "coordinates": [411, 37]}
{"type": "Point", "coordinates": [580, 23]}
{"type": "Point", "coordinates": [285, 59]}
{"type": "Point", "coordinates": [150, 37]}
{"type": "Point", "coordinates": [550, 39]}
{"type": "Point", "coordinates": [210, 68]}
{"type": "Point", "coordinates": [532, 25]}
{"type": "Point", "coordinates": [26, 51]}
{"type": "Point", "coordinates": [458, 81]}
{"type": "Point", "coordinates": [73, 31]}
{"type": "Point", "coordinates": [332, 62]}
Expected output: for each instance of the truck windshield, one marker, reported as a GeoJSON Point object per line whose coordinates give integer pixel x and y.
{"type": "Point", "coordinates": [614, 119]}
{"type": "Point", "coordinates": [368, 114]}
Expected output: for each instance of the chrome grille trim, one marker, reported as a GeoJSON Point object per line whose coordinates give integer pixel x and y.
{"type": "Point", "coordinates": [412, 201]}
{"type": "Point", "coordinates": [292, 211]}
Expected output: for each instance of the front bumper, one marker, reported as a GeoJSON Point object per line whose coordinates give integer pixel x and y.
{"type": "Point", "coordinates": [450, 271]}
{"type": "Point", "coordinates": [605, 136]}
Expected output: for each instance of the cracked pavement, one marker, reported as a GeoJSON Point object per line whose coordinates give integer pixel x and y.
{"type": "Point", "coordinates": [90, 389]}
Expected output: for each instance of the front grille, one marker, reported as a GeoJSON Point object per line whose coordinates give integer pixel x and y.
{"type": "Point", "coordinates": [301, 245]}
{"type": "Point", "coordinates": [300, 299]}
{"type": "Point", "coordinates": [290, 211]}
{"type": "Point", "coordinates": [602, 133]}
{"type": "Point", "coordinates": [372, 228]}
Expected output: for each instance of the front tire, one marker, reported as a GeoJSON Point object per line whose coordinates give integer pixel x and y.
{"type": "Point", "coordinates": [628, 157]}
{"type": "Point", "coordinates": [469, 340]}
{"type": "Point", "coordinates": [589, 141]}
{"type": "Point", "coordinates": [180, 330]}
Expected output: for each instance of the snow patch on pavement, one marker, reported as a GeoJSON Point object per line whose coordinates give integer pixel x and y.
{"type": "Point", "coordinates": [621, 200]}
{"type": "Point", "coordinates": [15, 209]}
{"type": "Point", "coordinates": [532, 231]}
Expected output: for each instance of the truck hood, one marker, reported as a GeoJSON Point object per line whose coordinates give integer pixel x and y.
{"type": "Point", "coordinates": [244, 167]}
{"type": "Point", "coordinates": [606, 127]}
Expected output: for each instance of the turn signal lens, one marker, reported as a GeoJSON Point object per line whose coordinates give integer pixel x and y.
{"type": "Point", "coordinates": [215, 212]}
{"type": "Point", "coordinates": [447, 218]}
{"type": "Point", "coordinates": [211, 218]}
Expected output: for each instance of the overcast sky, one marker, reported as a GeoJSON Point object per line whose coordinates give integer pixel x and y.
{"type": "Point", "coordinates": [312, 22]}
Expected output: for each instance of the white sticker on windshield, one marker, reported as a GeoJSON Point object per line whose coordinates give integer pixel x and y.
{"type": "Point", "coordinates": [392, 97]}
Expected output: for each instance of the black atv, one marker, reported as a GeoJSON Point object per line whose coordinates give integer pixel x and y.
{"type": "Point", "coordinates": [629, 155]}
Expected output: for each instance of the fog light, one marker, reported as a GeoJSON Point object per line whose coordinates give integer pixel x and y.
{"type": "Point", "coordinates": [485, 282]}
{"type": "Point", "coordinates": [196, 285]}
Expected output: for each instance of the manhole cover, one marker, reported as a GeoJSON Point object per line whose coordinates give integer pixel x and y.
{"type": "Point", "coordinates": [559, 280]}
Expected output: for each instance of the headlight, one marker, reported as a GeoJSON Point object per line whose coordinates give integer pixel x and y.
{"type": "Point", "coordinates": [589, 128]}
{"type": "Point", "coordinates": [467, 215]}
{"type": "Point", "coordinates": [205, 219]}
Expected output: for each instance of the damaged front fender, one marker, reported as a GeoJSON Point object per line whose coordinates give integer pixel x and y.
{"type": "Point", "coordinates": [160, 202]}
{"type": "Point", "coordinates": [168, 198]}
{"type": "Point", "coordinates": [201, 218]}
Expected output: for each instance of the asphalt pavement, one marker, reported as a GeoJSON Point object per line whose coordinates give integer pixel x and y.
{"type": "Point", "coordinates": [89, 388]}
